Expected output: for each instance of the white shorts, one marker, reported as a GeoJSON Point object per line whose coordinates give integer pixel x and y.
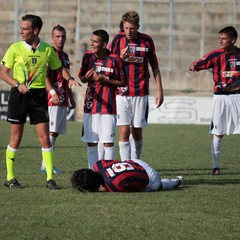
{"type": "Point", "coordinates": [132, 111]}
{"type": "Point", "coordinates": [99, 128]}
{"type": "Point", "coordinates": [154, 178]}
{"type": "Point", "coordinates": [57, 119]}
{"type": "Point", "coordinates": [225, 114]}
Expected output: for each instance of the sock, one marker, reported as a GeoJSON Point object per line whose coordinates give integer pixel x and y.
{"type": "Point", "coordinates": [109, 153]}
{"type": "Point", "coordinates": [10, 162]}
{"type": "Point", "coordinates": [124, 150]}
{"type": "Point", "coordinates": [136, 149]}
{"type": "Point", "coordinates": [52, 140]}
{"type": "Point", "coordinates": [215, 151]}
{"type": "Point", "coordinates": [92, 156]}
{"type": "Point", "coordinates": [100, 151]}
{"type": "Point", "coordinates": [169, 183]}
{"type": "Point", "coordinates": [133, 147]}
{"type": "Point", "coordinates": [47, 155]}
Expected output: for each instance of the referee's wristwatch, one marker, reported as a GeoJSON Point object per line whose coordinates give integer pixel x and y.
{"type": "Point", "coordinates": [17, 85]}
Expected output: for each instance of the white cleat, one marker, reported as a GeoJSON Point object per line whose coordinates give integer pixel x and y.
{"type": "Point", "coordinates": [180, 180]}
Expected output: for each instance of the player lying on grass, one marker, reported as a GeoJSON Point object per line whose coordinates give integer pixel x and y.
{"type": "Point", "coordinates": [125, 176]}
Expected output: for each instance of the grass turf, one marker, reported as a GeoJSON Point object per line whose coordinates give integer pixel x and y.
{"type": "Point", "coordinates": [206, 207]}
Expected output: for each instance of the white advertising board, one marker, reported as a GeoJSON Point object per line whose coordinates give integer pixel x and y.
{"type": "Point", "coordinates": [181, 110]}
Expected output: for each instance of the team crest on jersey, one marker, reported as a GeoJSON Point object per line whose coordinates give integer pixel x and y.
{"type": "Point", "coordinates": [98, 68]}
{"type": "Point", "coordinates": [34, 60]}
{"type": "Point", "coordinates": [232, 64]}
{"type": "Point", "coordinates": [131, 49]}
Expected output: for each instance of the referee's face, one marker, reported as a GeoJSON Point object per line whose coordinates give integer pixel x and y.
{"type": "Point", "coordinates": [26, 31]}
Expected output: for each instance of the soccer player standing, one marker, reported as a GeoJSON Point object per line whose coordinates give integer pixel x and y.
{"type": "Point", "coordinates": [225, 65]}
{"type": "Point", "coordinates": [103, 72]}
{"type": "Point", "coordinates": [137, 50]}
{"type": "Point", "coordinates": [28, 59]}
{"type": "Point", "coordinates": [58, 92]}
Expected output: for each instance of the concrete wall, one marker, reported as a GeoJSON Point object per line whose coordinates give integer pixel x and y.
{"type": "Point", "coordinates": [182, 30]}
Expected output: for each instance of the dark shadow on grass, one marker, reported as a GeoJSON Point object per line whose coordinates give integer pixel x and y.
{"type": "Point", "coordinates": [195, 171]}
{"type": "Point", "coordinates": [37, 147]}
{"type": "Point", "coordinates": [212, 182]}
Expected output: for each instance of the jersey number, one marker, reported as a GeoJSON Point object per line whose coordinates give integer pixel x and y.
{"type": "Point", "coordinates": [119, 167]}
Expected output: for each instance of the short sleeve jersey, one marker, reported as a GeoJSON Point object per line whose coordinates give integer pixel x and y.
{"type": "Point", "coordinates": [59, 84]}
{"type": "Point", "coordinates": [225, 67]}
{"type": "Point", "coordinates": [30, 65]}
{"type": "Point", "coordinates": [101, 98]}
{"type": "Point", "coordinates": [126, 176]}
{"type": "Point", "coordinates": [142, 53]}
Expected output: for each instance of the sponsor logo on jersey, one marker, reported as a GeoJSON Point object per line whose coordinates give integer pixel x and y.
{"type": "Point", "coordinates": [134, 59]}
{"type": "Point", "coordinates": [229, 73]}
{"type": "Point", "coordinates": [142, 49]}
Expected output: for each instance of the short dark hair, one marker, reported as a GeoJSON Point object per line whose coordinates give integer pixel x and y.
{"type": "Point", "coordinates": [103, 34]}
{"type": "Point", "coordinates": [59, 28]}
{"type": "Point", "coordinates": [230, 31]}
{"type": "Point", "coordinates": [35, 20]}
{"type": "Point", "coordinates": [86, 180]}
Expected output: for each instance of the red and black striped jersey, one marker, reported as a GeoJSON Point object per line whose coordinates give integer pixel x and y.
{"type": "Point", "coordinates": [142, 53]}
{"type": "Point", "coordinates": [126, 176]}
{"type": "Point", "coordinates": [59, 84]}
{"type": "Point", "coordinates": [225, 67]}
{"type": "Point", "coordinates": [101, 98]}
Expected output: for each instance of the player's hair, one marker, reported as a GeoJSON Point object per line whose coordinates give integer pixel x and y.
{"type": "Point", "coordinates": [86, 180]}
{"type": "Point", "coordinates": [58, 28]}
{"type": "Point", "coordinates": [121, 29]}
{"type": "Point", "coordinates": [230, 31]}
{"type": "Point", "coordinates": [131, 17]}
{"type": "Point", "coordinates": [35, 20]}
{"type": "Point", "coordinates": [102, 34]}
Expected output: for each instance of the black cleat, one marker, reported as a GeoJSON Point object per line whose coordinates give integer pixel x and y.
{"type": "Point", "coordinates": [216, 171]}
{"type": "Point", "coordinates": [13, 183]}
{"type": "Point", "coordinates": [51, 184]}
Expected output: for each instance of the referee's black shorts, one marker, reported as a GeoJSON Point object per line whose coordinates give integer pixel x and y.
{"type": "Point", "coordinates": [33, 104]}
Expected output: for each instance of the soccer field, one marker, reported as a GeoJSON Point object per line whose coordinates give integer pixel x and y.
{"type": "Point", "coordinates": [206, 207]}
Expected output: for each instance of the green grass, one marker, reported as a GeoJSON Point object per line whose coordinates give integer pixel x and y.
{"type": "Point", "coordinates": [206, 207]}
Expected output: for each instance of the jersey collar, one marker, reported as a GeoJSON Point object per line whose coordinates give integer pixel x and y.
{"type": "Point", "coordinates": [29, 46]}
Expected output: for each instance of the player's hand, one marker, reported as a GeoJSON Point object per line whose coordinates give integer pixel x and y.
{"type": "Point", "coordinates": [96, 77]}
{"type": "Point", "coordinates": [55, 99]}
{"type": "Point", "coordinates": [159, 99]}
{"type": "Point", "coordinates": [73, 83]}
{"type": "Point", "coordinates": [23, 89]}
{"type": "Point", "coordinates": [124, 53]}
{"type": "Point", "coordinates": [192, 67]}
